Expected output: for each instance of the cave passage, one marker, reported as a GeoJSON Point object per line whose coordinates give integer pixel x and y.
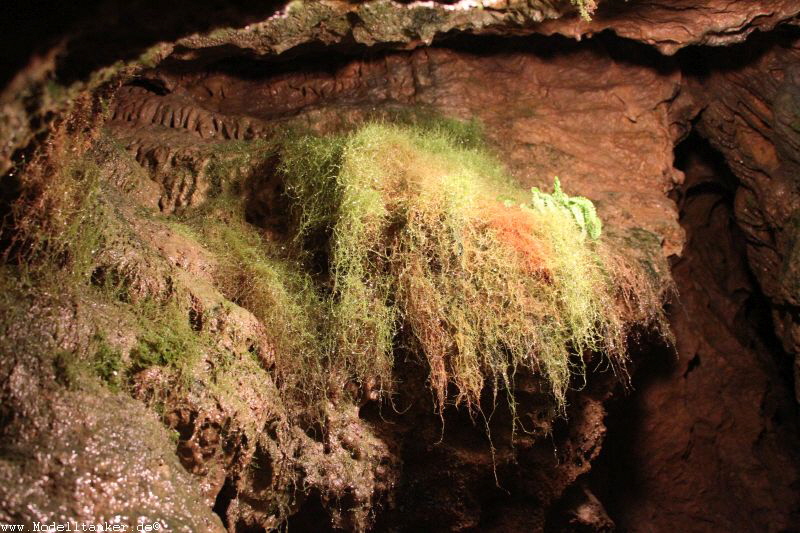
{"type": "Point", "coordinates": [692, 416]}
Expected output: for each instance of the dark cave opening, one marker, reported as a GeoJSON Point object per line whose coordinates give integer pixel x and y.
{"type": "Point", "coordinates": [707, 174]}
{"type": "Point", "coordinates": [312, 517]}
{"type": "Point", "coordinates": [724, 329]}
{"type": "Point", "coordinates": [223, 500]}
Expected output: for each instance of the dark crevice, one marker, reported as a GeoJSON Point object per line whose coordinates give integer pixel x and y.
{"type": "Point", "coordinates": [311, 517]}
{"type": "Point", "coordinates": [718, 296]}
{"type": "Point", "coordinates": [316, 58]}
{"type": "Point", "coordinates": [752, 324]}
{"type": "Point", "coordinates": [154, 86]}
{"type": "Point", "coordinates": [223, 500]}
{"type": "Point", "coordinates": [693, 364]}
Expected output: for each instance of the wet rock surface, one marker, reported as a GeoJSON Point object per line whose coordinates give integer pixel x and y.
{"type": "Point", "coordinates": [73, 452]}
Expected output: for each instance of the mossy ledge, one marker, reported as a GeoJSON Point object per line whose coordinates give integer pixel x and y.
{"type": "Point", "coordinates": [403, 236]}
{"type": "Point", "coordinates": [430, 244]}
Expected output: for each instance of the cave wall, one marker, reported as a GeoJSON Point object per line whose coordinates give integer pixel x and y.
{"type": "Point", "coordinates": [712, 431]}
{"type": "Point", "coordinates": [708, 438]}
{"type": "Point", "coordinates": [583, 112]}
{"type": "Point", "coordinates": [752, 119]}
{"type": "Point", "coordinates": [556, 96]}
{"type": "Point", "coordinates": [733, 319]}
{"type": "Point", "coordinates": [568, 109]}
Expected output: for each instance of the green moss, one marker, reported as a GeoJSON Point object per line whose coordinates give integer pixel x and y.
{"type": "Point", "coordinates": [66, 213]}
{"type": "Point", "coordinates": [461, 133]}
{"type": "Point", "coordinates": [585, 8]}
{"type": "Point", "coordinates": [167, 338]}
{"type": "Point", "coordinates": [107, 362]}
{"type": "Point", "coordinates": [293, 7]}
{"type": "Point", "coordinates": [231, 161]}
{"type": "Point", "coordinates": [336, 183]}
{"type": "Point", "coordinates": [262, 276]}
{"type": "Point", "coordinates": [74, 229]}
{"type": "Point", "coordinates": [419, 243]}
{"type": "Point", "coordinates": [68, 370]}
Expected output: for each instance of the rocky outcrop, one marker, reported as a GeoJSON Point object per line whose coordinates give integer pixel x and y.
{"type": "Point", "coordinates": [667, 26]}
{"type": "Point", "coordinates": [671, 26]}
{"type": "Point", "coordinates": [76, 453]}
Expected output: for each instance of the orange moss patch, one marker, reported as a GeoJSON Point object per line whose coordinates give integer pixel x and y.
{"type": "Point", "coordinates": [516, 228]}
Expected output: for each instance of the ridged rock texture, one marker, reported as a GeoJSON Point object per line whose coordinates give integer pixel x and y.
{"type": "Point", "coordinates": [679, 119]}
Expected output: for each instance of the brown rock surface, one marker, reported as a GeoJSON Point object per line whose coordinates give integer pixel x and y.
{"type": "Point", "coordinates": [752, 116]}
{"type": "Point", "coordinates": [672, 25]}
{"type": "Point", "coordinates": [568, 110]}
{"type": "Point", "coordinates": [708, 441]}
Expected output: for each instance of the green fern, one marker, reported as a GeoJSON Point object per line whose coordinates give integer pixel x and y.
{"type": "Point", "coordinates": [582, 209]}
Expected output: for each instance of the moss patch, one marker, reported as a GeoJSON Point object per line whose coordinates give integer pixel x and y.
{"type": "Point", "coordinates": [428, 241]}
{"type": "Point", "coordinates": [585, 8]}
{"type": "Point", "coordinates": [108, 363]}
{"type": "Point", "coordinates": [166, 340]}
{"type": "Point", "coordinates": [262, 275]}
